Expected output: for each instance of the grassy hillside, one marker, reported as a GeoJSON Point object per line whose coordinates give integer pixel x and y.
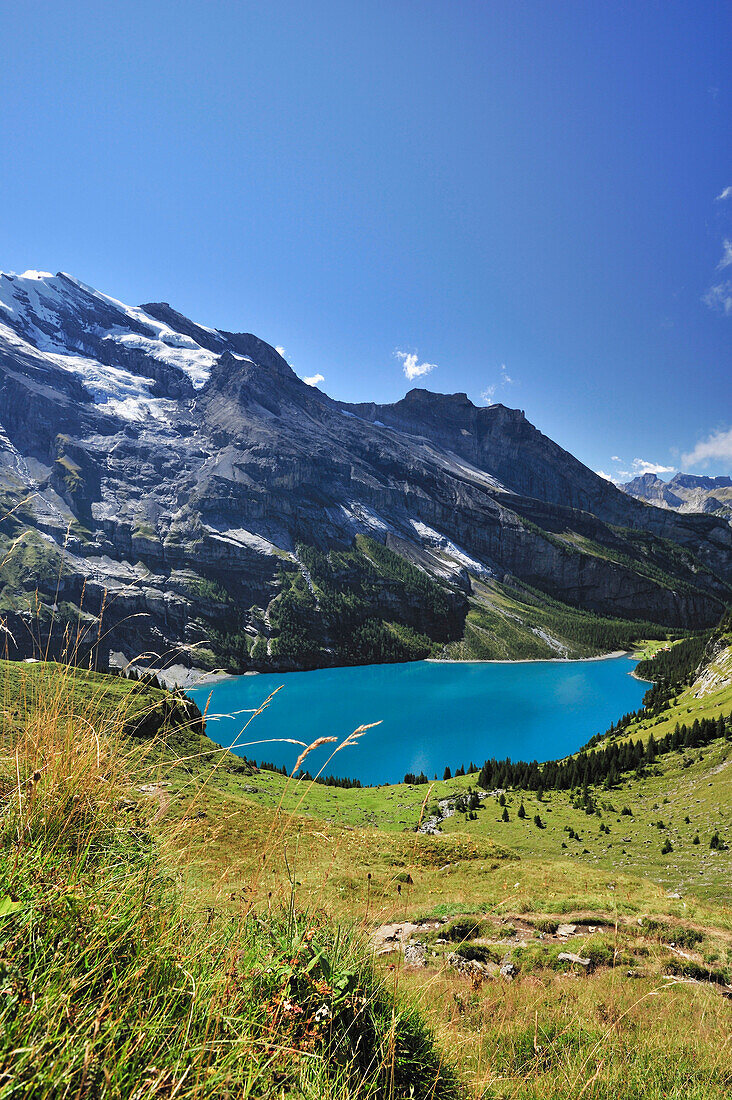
{"type": "Point", "coordinates": [515, 622]}
{"type": "Point", "coordinates": [116, 980]}
{"type": "Point", "coordinates": [173, 923]}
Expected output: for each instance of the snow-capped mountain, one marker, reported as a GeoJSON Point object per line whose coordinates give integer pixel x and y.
{"type": "Point", "coordinates": [189, 473]}
{"type": "Point", "coordinates": [121, 354]}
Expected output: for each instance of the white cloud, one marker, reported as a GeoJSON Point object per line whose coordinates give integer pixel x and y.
{"type": "Point", "coordinates": [314, 380]}
{"type": "Point", "coordinates": [717, 445]}
{"type": "Point", "coordinates": [726, 255]}
{"type": "Point", "coordinates": [608, 477]}
{"type": "Point", "coordinates": [281, 351]}
{"type": "Point", "coordinates": [412, 368]}
{"type": "Point", "coordinates": [720, 297]}
{"type": "Point", "coordinates": [637, 467]}
{"type": "Point", "coordinates": [642, 466]}
{"type": "Point", "coordinates": [490, 391]}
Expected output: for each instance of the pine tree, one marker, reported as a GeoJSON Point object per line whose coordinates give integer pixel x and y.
{"type": "Point", "coordinates": [521, 811]}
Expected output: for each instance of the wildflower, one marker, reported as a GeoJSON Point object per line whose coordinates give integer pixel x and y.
{"type": "Point", "coordinates": [323, 1014]}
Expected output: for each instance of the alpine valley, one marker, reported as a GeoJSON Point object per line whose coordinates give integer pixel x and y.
{"type": "Point", "coordinates": [222, 513]}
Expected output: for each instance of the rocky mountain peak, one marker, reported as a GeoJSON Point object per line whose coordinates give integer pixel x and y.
{"type": "Point", "coordinates": [684, 493]}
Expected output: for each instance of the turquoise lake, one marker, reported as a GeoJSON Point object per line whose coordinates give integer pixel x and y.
{"type": "Point", "coordinates": [433, 714]}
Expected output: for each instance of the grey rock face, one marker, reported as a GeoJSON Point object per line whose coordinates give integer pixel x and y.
{"type": "Point", "coordinates": [685, 493]}
{"type": "Point", "coordinates": [171, 472]}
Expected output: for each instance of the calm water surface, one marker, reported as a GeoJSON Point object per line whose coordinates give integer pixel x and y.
{"type": "Point", "coordinates": [432, 714]}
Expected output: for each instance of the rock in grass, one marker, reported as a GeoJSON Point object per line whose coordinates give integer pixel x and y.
{"type": "Point", "coordinates": [567, 956]}
{"type": "Point", "coordinates": [465, 966]}
{"type": "Point", "coordinates": [566, 929]}
{"type": "Point", "coordinates": [415, 955]}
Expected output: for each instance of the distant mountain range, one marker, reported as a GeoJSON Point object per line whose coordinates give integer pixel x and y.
{"type": "Point", "coordinates": [684, 493]}
{"type": "Point", "coordinates": [224, 512]}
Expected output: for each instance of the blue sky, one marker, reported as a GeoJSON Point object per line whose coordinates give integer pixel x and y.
{"type": "Point", "coordinates": [522, 194]}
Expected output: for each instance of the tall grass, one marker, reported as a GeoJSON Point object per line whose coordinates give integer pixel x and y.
{"type": "Point", "coordinates": [115, 983]}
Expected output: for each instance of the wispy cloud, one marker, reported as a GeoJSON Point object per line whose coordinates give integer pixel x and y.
{"type": "Point", "coordinates": [717, 446]}
{"type": "Point", "coordinates": [726, 254]}
{"type": "Point", "coordinates": [412, 368]}
{"type": "Point", "coordinates": [635, 468]}
{"type": "Point", "coordinates": [314, 380]}
{"type": "Point", "coordinates": [608, 477]}
{"type": "Point", "coordinates": [720, 297]}
{"type": "Point", "coordinates": [490, 391]}
{"type": "Point", "coordinates": [642, 466]}
{"type": "Point", "coordinates": [281, 351]}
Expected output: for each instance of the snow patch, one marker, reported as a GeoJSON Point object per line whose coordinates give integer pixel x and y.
{"type": "Point", "coordinates": [124, 394]}
{"type": "Point", "coordinates": [460, 465]}
{"type": "Point", "coordinates": [41, 303]}
{"type": "Point", "coordinates": [362, 517]}
{"type": "Point", "coordinates": [239, 536]}
{"type": "Point", "coordinates": [449, 549]}
{"type": "Point", "coordinates": [186, 356]}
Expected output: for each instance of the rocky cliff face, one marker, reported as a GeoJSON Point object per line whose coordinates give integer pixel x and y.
{"type": "Point", "coordinates": [684, 493]}
{"type": "Point", "coordinates": [225, 512]}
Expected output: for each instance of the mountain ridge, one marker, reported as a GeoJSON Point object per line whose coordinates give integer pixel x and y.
{"type": "Point", "coordinates": [182, 474]}
{"type": "Point", "coordinates": [684, 493]}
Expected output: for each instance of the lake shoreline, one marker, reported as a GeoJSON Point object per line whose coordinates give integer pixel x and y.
{"type": "Point", "coordinates": [531, 660]}
{"type": "Point", "coordinates": [179, 676]}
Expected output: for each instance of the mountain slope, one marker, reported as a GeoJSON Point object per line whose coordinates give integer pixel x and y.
{"type": "Point", "coordinates": [225, 512]}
